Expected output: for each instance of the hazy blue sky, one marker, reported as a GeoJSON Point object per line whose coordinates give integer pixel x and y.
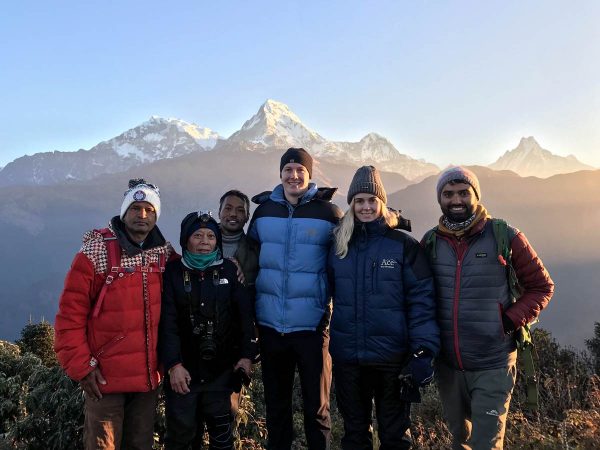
{"type": "Point", "coordinates": [457, 81]}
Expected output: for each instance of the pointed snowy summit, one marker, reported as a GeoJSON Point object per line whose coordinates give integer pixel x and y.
{"type": "Point", "coordinates": [275, 125]}
{"type": "Point", "coordinates": [530, 159]}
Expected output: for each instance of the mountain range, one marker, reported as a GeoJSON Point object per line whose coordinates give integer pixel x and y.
{"type": "Point", "coordinates": [153, 140]}
{"type": "Point", "coordinates": [274, 126]}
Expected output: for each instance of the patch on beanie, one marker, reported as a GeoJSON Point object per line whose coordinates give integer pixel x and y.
{"type": "Point", "coordinates": [139, 196]}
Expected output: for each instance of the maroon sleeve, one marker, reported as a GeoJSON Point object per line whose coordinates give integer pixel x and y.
{"type": "Point", "coordinates": [535, 280]}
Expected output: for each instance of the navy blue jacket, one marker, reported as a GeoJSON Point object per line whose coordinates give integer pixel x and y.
{"type": "Point", "coordinates": [291, 287]}
{"type": "Point", "coordinates": [383, 304]}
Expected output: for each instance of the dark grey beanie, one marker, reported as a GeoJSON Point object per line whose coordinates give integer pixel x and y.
{"type": "Point", "coordinates": [367, 181]}
{"type": "Point", "coordinates": [461, 174]}
{"type": "Point", "coordinates": [299, 156]}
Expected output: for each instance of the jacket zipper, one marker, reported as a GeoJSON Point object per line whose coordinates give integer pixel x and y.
{"type": "Point", "coordinates": [285, 265]}
{"type": "Point", "coordinates": [146, 296]}
{"type": "Point", "coordinates": [460, 249]}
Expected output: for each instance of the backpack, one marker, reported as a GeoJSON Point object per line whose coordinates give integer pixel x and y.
{"type": "Point", "coordinates": [114, 269]}
{"type": "Point", "coordinates": [523, 334]}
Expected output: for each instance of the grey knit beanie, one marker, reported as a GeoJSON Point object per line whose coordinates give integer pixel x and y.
{"type": "Point", "coordinates": [367, 181]}
{"type": "Point", "coordinates": [460, 174]}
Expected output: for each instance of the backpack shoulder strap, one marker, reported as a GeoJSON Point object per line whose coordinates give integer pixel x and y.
{"type": "Point", "coordinates": [113, 249]}
{"type": "Point", "coordinates": [501, 235]}
{"type": "Point", "coordinates": [523, 334]}
{"type": "Point", "coordinates": [429, 241]}
{"type": "Point", "coordinates": [113, 261]}
{"type": "Point", "coordinates": [500, 228]}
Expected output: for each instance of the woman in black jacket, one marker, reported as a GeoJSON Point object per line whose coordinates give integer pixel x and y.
{"type": "Point", "coordinates": [206, 336]}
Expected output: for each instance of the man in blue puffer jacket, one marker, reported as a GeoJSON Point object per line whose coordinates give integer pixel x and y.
{"type": "Point", "coordinates": [293, 225]}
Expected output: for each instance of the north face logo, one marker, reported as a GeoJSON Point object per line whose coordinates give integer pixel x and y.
{"type": "Point", "coordinates": [387, 264]}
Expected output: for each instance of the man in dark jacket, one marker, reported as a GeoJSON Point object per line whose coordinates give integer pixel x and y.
{"type": "Point", "coordinates": [476, 314]}
{"type": "Point", "coordinates": [293, 224]}
{"type": "Point", "coordinates": [234, 212]}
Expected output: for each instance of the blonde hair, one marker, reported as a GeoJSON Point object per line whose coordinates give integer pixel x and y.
{"type": "Point", "coordinates": [342, 233]}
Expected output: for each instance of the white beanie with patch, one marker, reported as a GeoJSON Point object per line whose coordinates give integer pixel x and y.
{"type": "Point", "coordinates": [141, 191]}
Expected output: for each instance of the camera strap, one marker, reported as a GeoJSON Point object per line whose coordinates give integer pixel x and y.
{"type": "Point", "coordinates": [197, 319]}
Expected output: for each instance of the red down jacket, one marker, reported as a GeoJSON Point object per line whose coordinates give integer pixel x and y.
{"type": "Point", "coordinates": [122, 334]}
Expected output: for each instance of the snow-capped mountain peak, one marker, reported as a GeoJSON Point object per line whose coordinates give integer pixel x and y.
{"type": "Point", "coordinates": [529, 145]}
{"type": "Point", "coordinates": [275, 125]}
{"type": "Point", "coordinates": [205, 137]}
{"type": "Point", "coordinates": [155, 139]}
{"type": "Point", "coordinates": [530, 159]}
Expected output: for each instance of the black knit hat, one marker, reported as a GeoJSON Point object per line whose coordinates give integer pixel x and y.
{"type": "Point", "coordinates": [367, 181]}
{"type": "Point", "coordinates": [196, 220]}
{"type": "Point", "coordinates": [299, 156]}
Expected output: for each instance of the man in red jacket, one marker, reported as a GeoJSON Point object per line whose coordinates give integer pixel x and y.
{"type": "Point", "coordinates": [107, 324]}
{"type": "Point", "coordinates": [476, 312]}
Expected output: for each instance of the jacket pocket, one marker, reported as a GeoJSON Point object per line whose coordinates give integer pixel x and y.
{"type": "Point", "coordinates": [108, 346]}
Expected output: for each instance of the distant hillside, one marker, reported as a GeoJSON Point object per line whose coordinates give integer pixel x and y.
{"type": "Point", "coordinates": [42, 226]}
{"type": "Point", "coordinates": [560, 217]}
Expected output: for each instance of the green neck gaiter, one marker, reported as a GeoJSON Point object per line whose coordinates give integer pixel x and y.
{"type": "Point", "coordinates": [200, 261]}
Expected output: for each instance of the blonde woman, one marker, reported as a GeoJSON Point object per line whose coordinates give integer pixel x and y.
{"type": "Point", "coordinates": [383, 328]}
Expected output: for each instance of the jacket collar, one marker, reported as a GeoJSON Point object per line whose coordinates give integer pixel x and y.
{"type": "Point", "coordinates": [377, 227]}
{"type": "Point", "coordinates": [278, 195]}
{"type": "Point", "coordinates": [322, 193]}
{"type": "Point", "coordinates": [154, 238]}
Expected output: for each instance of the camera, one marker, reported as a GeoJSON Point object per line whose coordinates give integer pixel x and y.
{"type": "Point", "coordinates": [207, 348]}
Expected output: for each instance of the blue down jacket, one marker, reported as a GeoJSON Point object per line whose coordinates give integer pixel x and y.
{"type": "Point", "coordinates": [291, 287]}
{"type": "Point", "coordinates": [383, 305]}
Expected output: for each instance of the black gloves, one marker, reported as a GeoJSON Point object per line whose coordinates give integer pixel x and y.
{"type": "Point", "coordinates": [419, 369]}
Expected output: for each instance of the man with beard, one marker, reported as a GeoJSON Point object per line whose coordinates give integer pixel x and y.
{"type": "Point", "coordinates": [107, 323]}
{"type": "Point", "coordinates": [477, 314]}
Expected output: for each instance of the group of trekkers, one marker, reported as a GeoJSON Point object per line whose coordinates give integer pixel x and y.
{"type": "Point", "coordinates": [308, 288]}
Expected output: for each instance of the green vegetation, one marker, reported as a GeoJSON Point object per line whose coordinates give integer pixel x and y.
{"type": "Point", "coordinates": [40, 408]}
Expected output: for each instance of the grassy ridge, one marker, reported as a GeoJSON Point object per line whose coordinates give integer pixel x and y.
{"type": "Point", "coordinates": [40, 408]}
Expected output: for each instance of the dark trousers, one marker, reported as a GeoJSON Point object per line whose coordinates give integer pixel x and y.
{"type": "Point", "coordinates": [186, 415]}
{"type": "Point", "coordinates": [120, 421]}
{"type": "Point", "coordinates": [309, 351]}
{"type": "Point", "coordinates": [355, 388]}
